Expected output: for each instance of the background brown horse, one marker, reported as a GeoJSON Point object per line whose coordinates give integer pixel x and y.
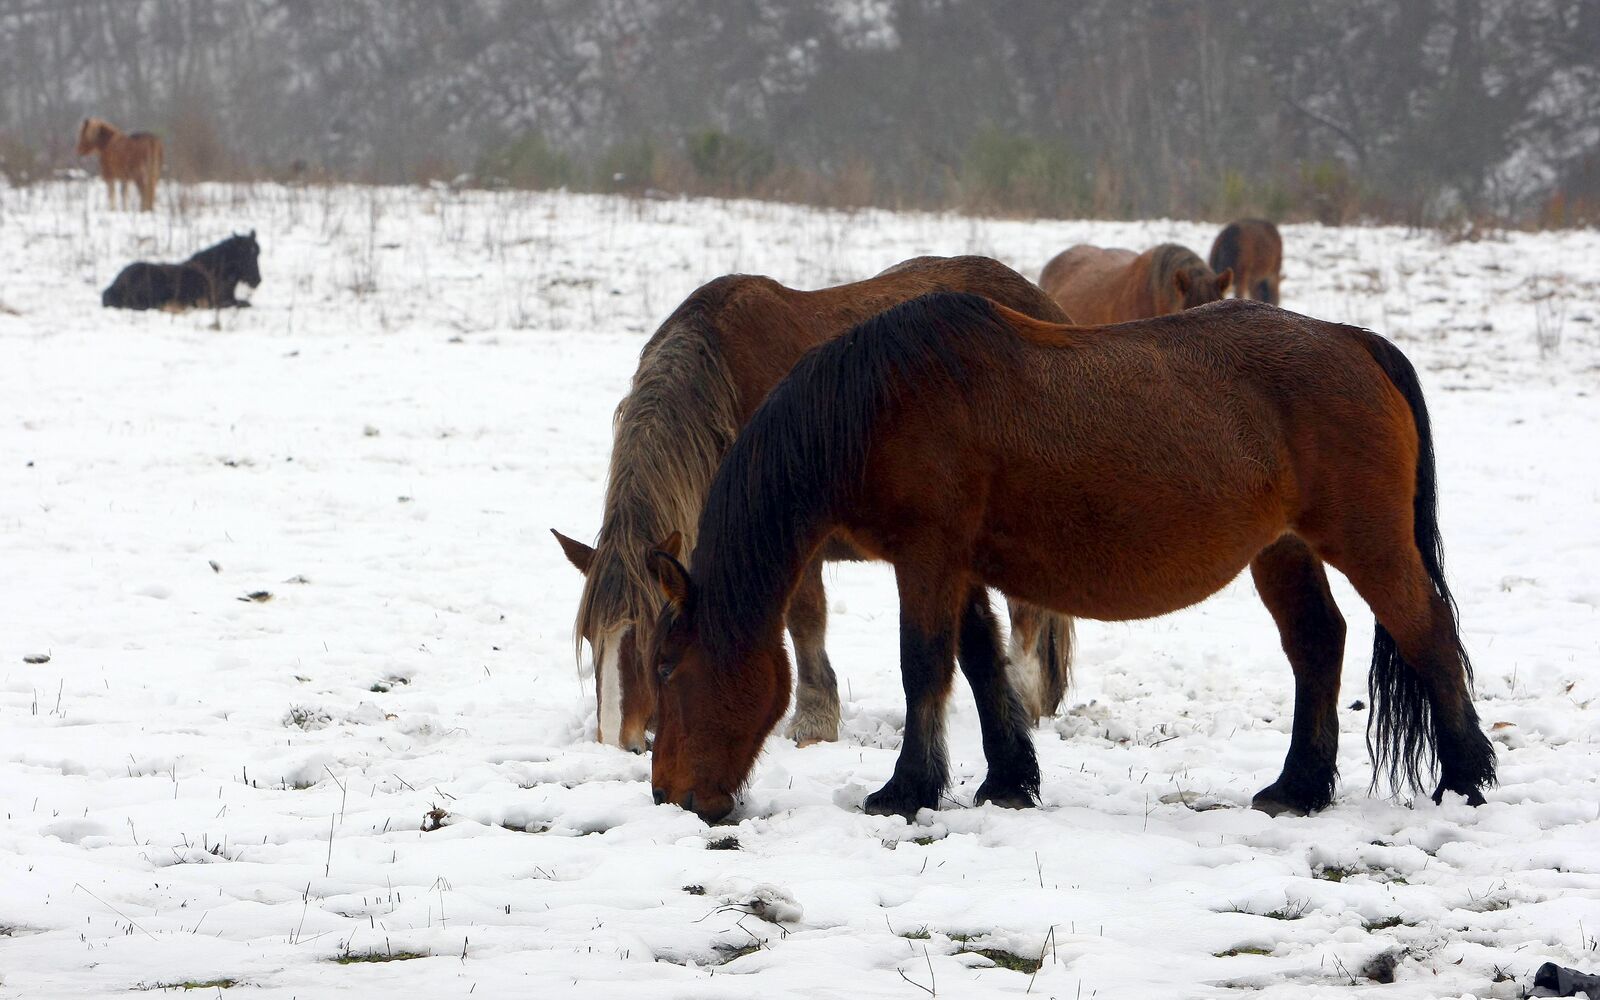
{"type": "Point", "coordinates": [1253, 250]}
{"type": "Point", "coordinates": [1110, 477]}
{"type": "Point", "coordinates": [1103, 285]}
{"type": "Point", "coordinates": [124, 158]}
{"type": "Point", "coordinates": [699, 378]}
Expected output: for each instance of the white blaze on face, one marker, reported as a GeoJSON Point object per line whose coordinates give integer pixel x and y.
{"type": "Point", "coordinates": [608, 687]}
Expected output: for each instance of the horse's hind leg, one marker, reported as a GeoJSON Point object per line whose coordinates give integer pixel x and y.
{"type": "Point", "coordinates": [1420, 684]}
{"type": "Point", "coordinates": [1294, 587]}
{"type": "Point", "coordinates": [816, 712]}
{"type": "Point", "coordinates": [929, 603]}
{"type": "Point", "coordinates": [1013, 778]}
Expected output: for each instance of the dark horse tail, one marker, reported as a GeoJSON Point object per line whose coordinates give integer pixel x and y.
{"type": "Point", "coordinates": [1400, 732]}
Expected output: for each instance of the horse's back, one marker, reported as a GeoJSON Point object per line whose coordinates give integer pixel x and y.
{"type": "Point", "coordinates": [1208, 378]}
{"type": "Point", "coordinates": [760, 327]}
{"type": "Point", "coordinates": [142, 285]}
{"type": "Point", "coordinates": [1089, 282]}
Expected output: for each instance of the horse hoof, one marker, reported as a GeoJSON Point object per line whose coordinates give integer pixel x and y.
{"type": "Point", "coordinates": [1014, 798]}
{"type": "Point", "coordinates": [892, 801]}
{"type": "Point", "coordinates": [1273, 806]}
{"type": "Point", "coordinates": [1474, 796]}
{"type": "Point", "coordinates": [805, 735]}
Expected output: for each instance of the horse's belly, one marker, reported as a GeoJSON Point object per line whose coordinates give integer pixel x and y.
{"type": "Point", "coordinates": [1115, 557]}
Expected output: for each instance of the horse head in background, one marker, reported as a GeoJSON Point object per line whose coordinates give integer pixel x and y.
{"type": "Point", "coordinates": [124, 158]}
{"type": "Point", "coordinates": [1253, 249]}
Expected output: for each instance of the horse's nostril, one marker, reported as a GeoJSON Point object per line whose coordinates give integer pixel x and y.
{"type": "Point", "coordinates": [660, 795]}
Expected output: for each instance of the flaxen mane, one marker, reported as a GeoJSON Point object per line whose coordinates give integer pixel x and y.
{"type": "Point", "coordinates": [1167, 260]}
{"type": "Point", "coordinates": [667, 447]}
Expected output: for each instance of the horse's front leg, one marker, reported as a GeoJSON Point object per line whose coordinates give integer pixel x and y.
{"type": "Point", "coordinates": [816, 712]}
{"type": "Point", "coordinates": [928, 606]}
{"type": "Point", "coordinates": [1013, 778]}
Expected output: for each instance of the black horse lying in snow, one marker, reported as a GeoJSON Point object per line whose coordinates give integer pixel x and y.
{"type": "Point", "coordinates": [206, 280]}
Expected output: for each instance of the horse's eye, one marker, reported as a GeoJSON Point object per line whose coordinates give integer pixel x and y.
{"type": "Point", "coordinates": [664, 669]}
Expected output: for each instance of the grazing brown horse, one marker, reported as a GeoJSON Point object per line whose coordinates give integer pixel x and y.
{"type": "Point", "coordinates": [1099, 285]}
{"type": "Point", "coordinates": [1253, 250]}
{"type": "Point", "coordinates": [699, 378]}
{"type": "Point", "coordinates": [123, 158]}
{"type": "Point", "coordinates": [1111, 477]}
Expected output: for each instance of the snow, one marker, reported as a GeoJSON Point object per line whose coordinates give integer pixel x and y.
{"type": "Point", "coordinates": [392, 753]}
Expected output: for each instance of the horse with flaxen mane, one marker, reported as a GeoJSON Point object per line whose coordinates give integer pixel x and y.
{"type": "Point", "coordinates": [208, 280]}
{"type": "Point", "coordinates": [1101, 285]}
{"type": "Point", "coordinates": [1253, 250]}
{"type": "Point", "coordinates": [124, 158]}
{"type": "Point", "coordinates": [1114, 477]}
{"type": "Point", "coordinates": [699, 378]}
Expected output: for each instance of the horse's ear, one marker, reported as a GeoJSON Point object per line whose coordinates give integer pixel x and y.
{"type": "Point", "coordinates": [252, 234]}
{"type": "Point", "coordinates": [1224, 280]}
{"type": "Point", "coordinates": [578, 554]}
{"type": "Point", "coordinates": [673, 545]}
{"type": "Point", "coordinates": [1181, 279]}
{"type": "Point", "coordinates": [672, 577]}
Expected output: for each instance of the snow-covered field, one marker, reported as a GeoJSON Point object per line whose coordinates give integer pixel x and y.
{"type": "Point", "coordinates": [390, 755]}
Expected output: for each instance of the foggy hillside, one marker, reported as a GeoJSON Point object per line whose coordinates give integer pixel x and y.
{"type": "Point", "coordinates": [1420, 111]}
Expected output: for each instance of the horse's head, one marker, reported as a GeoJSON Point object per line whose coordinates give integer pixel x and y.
{"type": "Point", "coordinates": [713, 716]}
{"type": "Point", "coordinates": [92, 135]}
{"type": "Point", "coordinates": [245, 256]}
{"type": "Point", "coordinates": [1195, 284]}
{"type": "Point", "coordinates": [625, 693]}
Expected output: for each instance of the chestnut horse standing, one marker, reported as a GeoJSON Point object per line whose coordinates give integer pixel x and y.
{"type": "Point", "coordinates": [123, 158]}
{"type": "Point", "coordinates": [1105, 476]}
{"type": "Point", "coordinates": [1253, 250]}
{"type": "Point", "coordinates": [700, 377]}
{"type": "Point", "coordinates": [1099, 285]}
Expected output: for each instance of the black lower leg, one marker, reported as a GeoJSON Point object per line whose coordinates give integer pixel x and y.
{"type": "Point", "coordinates": [1013, 777]}
{"type": "Point", "coordinates": [1294, 587]}
{"type": "Point", "coordinates": [1466, 757]}
{"type": "Point", "coordinates": [922, 770]}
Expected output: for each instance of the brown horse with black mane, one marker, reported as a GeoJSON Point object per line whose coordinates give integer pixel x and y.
{"type": "Point", "coordinates": [1098, 285]}
{"type": "Point", "coordinates": [700, 378]}
{"type": "Point", "coordinates": [123, 158]}
{"type": "Point", "coordinates": [1111, 477]}
{"type": "Point", "coordinates": [1253, 250]}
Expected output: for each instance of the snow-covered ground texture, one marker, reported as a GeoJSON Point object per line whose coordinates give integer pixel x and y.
{"type": "Point", "coordinates": [386, 752]}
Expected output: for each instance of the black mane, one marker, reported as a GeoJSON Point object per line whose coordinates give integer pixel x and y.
{"type": "Point", "coordinates": [234, 259]}
{"type": "Point", "coordinates": [799, 461]}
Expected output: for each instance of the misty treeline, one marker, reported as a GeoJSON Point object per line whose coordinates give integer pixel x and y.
{"type": "Point", "coordinates": [1416, 111]}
